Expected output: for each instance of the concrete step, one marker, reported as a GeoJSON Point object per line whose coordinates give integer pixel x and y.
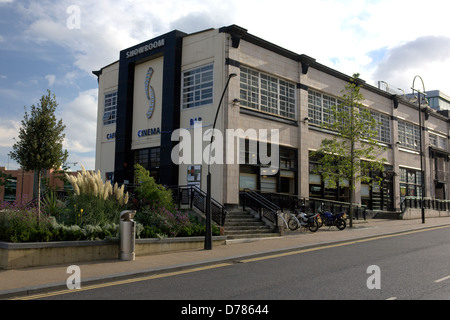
{"type": "Point", "coordinates": [252, 236]}
{"type": "Point", "coordinates": [242, 225]}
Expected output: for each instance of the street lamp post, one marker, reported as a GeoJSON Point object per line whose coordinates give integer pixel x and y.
{"type": "Point", "coordinates": [421, 144]}
{"type": "Point", "coordinates": [208, 236]}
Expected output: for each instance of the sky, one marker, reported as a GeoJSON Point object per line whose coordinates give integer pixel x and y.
{"type": "Point", "coordinates": [56, 45]}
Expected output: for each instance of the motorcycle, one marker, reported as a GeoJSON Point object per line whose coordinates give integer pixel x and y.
{"type": "Point", "coordinates": [301, 219]}
{"type": "Point", "coordinates": [330, 219]}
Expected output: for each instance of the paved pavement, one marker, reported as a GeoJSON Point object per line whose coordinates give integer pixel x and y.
{"type": "Point", "coordinates": [29, 281]}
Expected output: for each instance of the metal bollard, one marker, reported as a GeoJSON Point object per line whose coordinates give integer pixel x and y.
{"type": "Point", "coordinates": [127, 233]}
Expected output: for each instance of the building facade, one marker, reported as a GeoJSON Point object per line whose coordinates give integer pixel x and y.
{"type": "Point", "coordinates": [21, 185]}
{"type": "Point", "coordinates": [164, 94]}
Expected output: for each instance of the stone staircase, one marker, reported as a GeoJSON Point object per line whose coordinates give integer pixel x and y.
{"type": "Point", "coordinates": [242, 225]}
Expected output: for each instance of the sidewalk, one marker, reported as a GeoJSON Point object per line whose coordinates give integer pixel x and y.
{"type": "Point", "coordinates": [40, 279]}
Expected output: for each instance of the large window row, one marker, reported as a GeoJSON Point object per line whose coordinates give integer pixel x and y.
{"type": "Point", "coordinates": [320, 108]}
{"type": "Point", "coordinates": [110, 108]}
{"type": "Point", "coordinates": [374, 196]}
{"type": "Point", "coordinates": [409, 135]}
{"type": "Point", "coordinates": [383, 128]}
{"type": "Point", "coordinates": [266, 93]}
{"type": "Point", "coordinates": [320, 111]}
{"type": "Point", "coordinates": [410, 183]}
{"type": "Point", "coordinates": [255, 176]}
{"type": "Point", "coordinates": [438, 141]}
{"type": "Point", "coordinates": [198, 87]}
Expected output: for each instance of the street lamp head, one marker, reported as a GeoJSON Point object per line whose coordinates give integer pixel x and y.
{"type": "Point", "coordinates": [423, 85]}
{"type": "Point", "coordinates": [232, 75]}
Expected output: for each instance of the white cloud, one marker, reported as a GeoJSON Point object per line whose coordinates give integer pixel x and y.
{"type": "Point", "coordinates": [109, 26]}
{"type": "Point", "coordinates": [80, 118]}
{"type": "Point", "coordinates": [344, 34]}
{"type": "Point", "coordinates": [9, 129]}
{"type": "Point", "coordinates": [382, 40]}
{"type": "Point", "coordinates": [425, 56]}
{"type": "Point", "coordinates": [51, 79]}
{"type": "Point", "coordinates": [340, 34]}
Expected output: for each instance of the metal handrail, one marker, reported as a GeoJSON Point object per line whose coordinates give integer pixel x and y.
{"type": "Point", "coordinates": [262, 199]}
{"type": "Point", "coordinates": [415, 202]}
{"type": "Point", "coordinates": [263, 203]}
{"type": "Point", "coordinates": [195, 193]}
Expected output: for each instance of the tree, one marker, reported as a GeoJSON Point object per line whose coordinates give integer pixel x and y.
{"type": "Point", "coordinates": [40, 143]}
{"type": "Point", "coordinates": [353, 151]}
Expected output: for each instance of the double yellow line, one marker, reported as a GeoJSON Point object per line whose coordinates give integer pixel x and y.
{"type": "Point", "coordinates": [170, 274]}
{"type": "Point", "coordinates": [116, 283]}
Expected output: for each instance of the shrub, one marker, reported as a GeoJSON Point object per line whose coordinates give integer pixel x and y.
{"type": "Point", "coordinates": [19, 222]}
{"type": "Point", "coordinates": [51, 205]}
{"type": "Point", "coordinates": [149, 193]}
{"type": "Point", "coordinates": [93, 202]}
{"type": "Point", "coordinates": [162, 220]}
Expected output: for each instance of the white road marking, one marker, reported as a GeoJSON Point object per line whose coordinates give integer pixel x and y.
{"type": "Point", "coordinates": [443, 279]}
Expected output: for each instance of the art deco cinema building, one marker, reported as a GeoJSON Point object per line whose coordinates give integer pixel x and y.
{"type": "Point", "coordinates": [175, 81]}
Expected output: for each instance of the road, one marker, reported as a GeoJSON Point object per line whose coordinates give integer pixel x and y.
{"type": "Point", "coordinates": [411, 266]}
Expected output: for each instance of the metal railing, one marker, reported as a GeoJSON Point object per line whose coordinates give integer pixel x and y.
{"type": "Point", "coordinates": [259, 203]}
{"type": "Point", "coordinates": [284, 202]}
{"type": "Point", "coordinates": [427, 203]}
{"type": "Point", "coordinates": [192, 196]}
{"type": "Point", "coordinates": [277, 202]}
{"type": "Point", "coordinates": [314, 205]}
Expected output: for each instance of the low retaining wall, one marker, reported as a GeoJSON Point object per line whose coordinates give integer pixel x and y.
{"type": "Point", "coordinates": [413, 213]}
{"type": "Point", "coordinates": [23, 255]}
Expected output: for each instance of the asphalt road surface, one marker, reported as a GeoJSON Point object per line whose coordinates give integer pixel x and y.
{"type": "Point", "coordinates": [411, 266]}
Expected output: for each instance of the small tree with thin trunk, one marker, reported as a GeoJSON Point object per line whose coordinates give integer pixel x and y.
{"type": "Point", "coordinates": [40, 143]}
{"type": "Point", "coordinates": [353, 150]}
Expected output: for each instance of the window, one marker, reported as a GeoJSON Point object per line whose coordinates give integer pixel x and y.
{"type": "Point", "coordinates": [255, 176]}
{"type": "Point", "coordinates": [198, 87]}
{"type": "Point", "coordinates": [378, 196]}
{"type": "Point", "coordinates": [110, 108]}
{"type": "Point", "coordinates": [150, 159]}
{"type": "Point", "coordinates": [438, 141]}
{"type": "Point", "coordinates": [288, 159]}
{"type": "Point", "coordinates": [10, 189]}
{"type": "Point", "coordinates": [266, 93]}
{"type": "Point", "coordinates": [383, 127]}
{"type": "Point", "coordinates": [438, 103]}
{"type": "Point", "coordinates": [409, 135]}
{"type": "Point", "coordinates": [410, 183]}
{"type": "Point", "coordinates": [320, 108]}
{"type": "Point", "coordinates": [320, 111]}
{"type": "Point", "coordinates": [320, 187]}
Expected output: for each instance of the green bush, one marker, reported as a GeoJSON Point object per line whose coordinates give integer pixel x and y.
{"type": "Point", "coordinates": [149, 193]}
{"type": "Point", "coordinates": [92, 212]}
{"type": "Point", "coordinates": [163, 220]}
{"type": "Point", "coordinates": [19, 223]}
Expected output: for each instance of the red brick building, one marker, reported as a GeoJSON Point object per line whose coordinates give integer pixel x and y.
{"type": "Point", "coordinates": [23, 184]}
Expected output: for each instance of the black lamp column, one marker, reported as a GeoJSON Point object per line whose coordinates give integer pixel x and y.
{"type": "Point", "coordinates": [421, 145]}
{"type": "Point", "coordinates": [208, 236]}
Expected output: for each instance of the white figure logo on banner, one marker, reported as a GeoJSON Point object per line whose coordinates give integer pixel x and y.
{"type": "Point", "coordinates": [150, 93]}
